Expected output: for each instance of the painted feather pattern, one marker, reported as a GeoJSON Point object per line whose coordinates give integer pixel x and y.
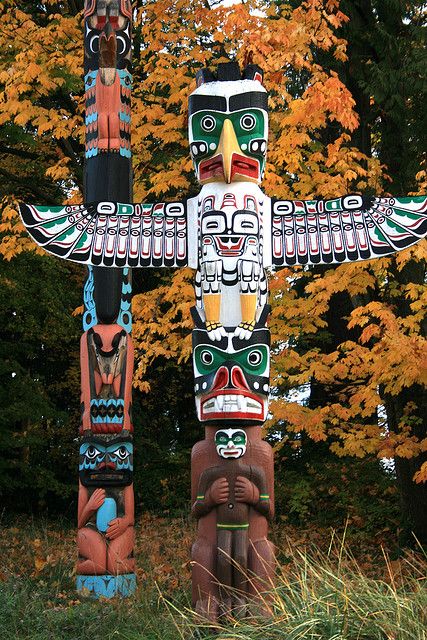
{"type": "Point", "coordinates": [346, 229]}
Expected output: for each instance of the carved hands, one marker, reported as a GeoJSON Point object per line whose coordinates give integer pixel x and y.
{"type": "Point", "coordinates": [117, 527]}
{"type": "Point", "coordinates": [246, 491]}
{"type": "Point", "coordinates": [95, 501]}
{"type": "Point", "coordinates": [218, 492]}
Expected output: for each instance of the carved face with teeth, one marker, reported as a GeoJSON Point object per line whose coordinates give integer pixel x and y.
{"type": "Point", "coordinates": [106, 461]}
{"type": "Point", "coordinates": [231, 376]}
{"type": "Point", "coordinates": [230, 443]}
{"type": "Point", "coordinates": [228, 130]}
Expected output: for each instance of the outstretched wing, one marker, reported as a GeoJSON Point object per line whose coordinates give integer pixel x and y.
{"type": "Point", "coordinates": [112, 234]}
{"type": "Point", "coordinates": [344, 229]}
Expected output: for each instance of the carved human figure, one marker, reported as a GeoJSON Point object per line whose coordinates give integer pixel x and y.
{"type": "Point", "coordinates": [105, 535]}
{"type": "Point", "coordinates": [233, 504]}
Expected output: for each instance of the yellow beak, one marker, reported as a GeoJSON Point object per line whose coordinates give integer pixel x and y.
{"type": "Point", "coordinates": [228, 145]}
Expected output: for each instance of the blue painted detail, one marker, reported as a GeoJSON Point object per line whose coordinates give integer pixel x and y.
{"type": "Point", "coordinates": [125, 152]}
{"type": "Point", "coordinates": [125, 315]}
{"type": "Point", "coordinates": [103, 417]}
{"type": "Point", "coordinates": [107, 586]}
{"type": "Point", "coordinates": [106, 512]}
{"type": "Point", "coordinates": [93, 117]}
{"type": "Point", "coordinates": [99, 453]}
{"type": "Point", "coordinates": [90, 318]}
{"type": "Point", "coordinates": [92, 152]}
{"type": "Point", "coordinates": [90, 79]}
{"type": "Point", "coordinates": [125, 78]}
{"type": "Point", "coordinates": [124, 117]}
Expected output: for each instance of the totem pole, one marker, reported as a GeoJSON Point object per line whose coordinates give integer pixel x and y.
{"type": "Point", "coordinates": [229, 233]}
{"type": "Point", "coordinates": [105, 536]}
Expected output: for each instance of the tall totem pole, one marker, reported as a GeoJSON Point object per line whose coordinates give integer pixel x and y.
{"type": "Point", "coordinates": [106, 503]}
{"type": "Point", "coordinates": [229, 234]}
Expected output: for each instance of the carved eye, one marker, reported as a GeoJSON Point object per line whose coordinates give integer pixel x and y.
{"type": "Point", "coordinates": [92, 452]}
{"type": "Point", "coordinates": [239, 438]}
{"type": "Point", "coordinates": [255, 357]}
{"type": "Point", "coordinates": [208, 123]}
{"type": "Point", "coordinates": [248, 122]}
{"type": "Point", "coordinates": [122, 453]}
{"type": "Point", "coordinates": [206, 357]}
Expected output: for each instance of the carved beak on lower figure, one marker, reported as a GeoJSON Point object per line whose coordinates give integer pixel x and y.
{"type": "Point", "coordinates": [107, 55]}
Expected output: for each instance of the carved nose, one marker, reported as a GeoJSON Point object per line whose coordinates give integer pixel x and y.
{"type": "Point", "coordinates": [221, 379]}
{"type": "Point", "coordinates": [238, 379]}
{"type": "Point", "coordinates": [107, 465]}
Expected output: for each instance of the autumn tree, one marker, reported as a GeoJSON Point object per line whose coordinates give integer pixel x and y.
{"type": "Point", "coordinates": [387, 61]}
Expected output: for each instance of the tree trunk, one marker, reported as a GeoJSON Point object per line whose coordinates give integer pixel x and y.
{"type": "Point", "coordinates": [413, 496]}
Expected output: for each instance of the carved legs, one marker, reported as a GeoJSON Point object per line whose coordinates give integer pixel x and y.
{"type": "Point", "coordinates": [205, 594]}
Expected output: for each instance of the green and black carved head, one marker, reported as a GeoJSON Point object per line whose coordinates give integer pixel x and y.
{"type": "Point", "coordinates": [231, 376]}
{"type": "Point", "coordinates": [106, 461]}
{"type": "Point", "coordinates": [228, 125]}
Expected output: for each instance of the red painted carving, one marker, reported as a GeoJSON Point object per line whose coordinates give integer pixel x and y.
{"type": "Point", "coordinates": [109, 552]}
{"type": "Point", "coordinates": [106, 356]}
{"type": "Point", "coordinates": [217, 550]}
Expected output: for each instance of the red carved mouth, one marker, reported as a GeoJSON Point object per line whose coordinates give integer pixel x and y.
{"type": "Point", "coordinates": [232, 404]}
{"type": "Point", "coordinates": [226, 248]}
{"type": "Point", "coordinates": [243, 166]}
{"type": "Point", "coordinates": [107, 465]}
{"type": "Point", "coordinates": [211, 168]}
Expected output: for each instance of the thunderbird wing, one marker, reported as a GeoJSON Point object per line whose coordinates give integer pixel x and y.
{"type": "Point", "coordinates": [112, 234]}
{"type": "Point", "coordinates": [344, 229]}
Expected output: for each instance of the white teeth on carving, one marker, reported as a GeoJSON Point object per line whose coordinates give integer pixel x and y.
{"type": "Point", "coordinates": [232, 404]}
{"type": "Point", "coordinates": [253, 406]}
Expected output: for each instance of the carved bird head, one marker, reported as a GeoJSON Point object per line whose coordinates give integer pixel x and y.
{"type": "Point", "coordinates": [228, 125]}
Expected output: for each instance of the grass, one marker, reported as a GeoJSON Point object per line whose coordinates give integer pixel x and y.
{"type": "Point", "coordinates": [321, 593]}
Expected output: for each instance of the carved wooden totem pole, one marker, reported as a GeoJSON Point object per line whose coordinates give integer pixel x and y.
{"type": "Point", "coordinates": [229, 233]}
{"type": "Point", "coordinates": [106, 504]}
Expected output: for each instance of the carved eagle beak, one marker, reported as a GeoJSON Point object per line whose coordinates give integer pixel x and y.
{"type": "Point", "coordinates": [228, 145]}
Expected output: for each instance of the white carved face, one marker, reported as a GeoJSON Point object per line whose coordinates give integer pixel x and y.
{"type": "Point", "coordinates": [230, 443]}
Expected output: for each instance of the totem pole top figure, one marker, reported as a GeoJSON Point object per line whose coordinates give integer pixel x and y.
{"type": "Point", "coordinates": [228, 125]}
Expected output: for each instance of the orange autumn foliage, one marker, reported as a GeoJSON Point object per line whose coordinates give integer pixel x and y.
{"type": "Point", "coordinates": [41, 91]}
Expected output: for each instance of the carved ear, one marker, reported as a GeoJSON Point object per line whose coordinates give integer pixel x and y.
{"type": "Point", "coordinates": [229, 71]}
{"type": "Point", "coordinates": [203, 76]}
{"type": "Point", "coordinates": [253, 72]}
